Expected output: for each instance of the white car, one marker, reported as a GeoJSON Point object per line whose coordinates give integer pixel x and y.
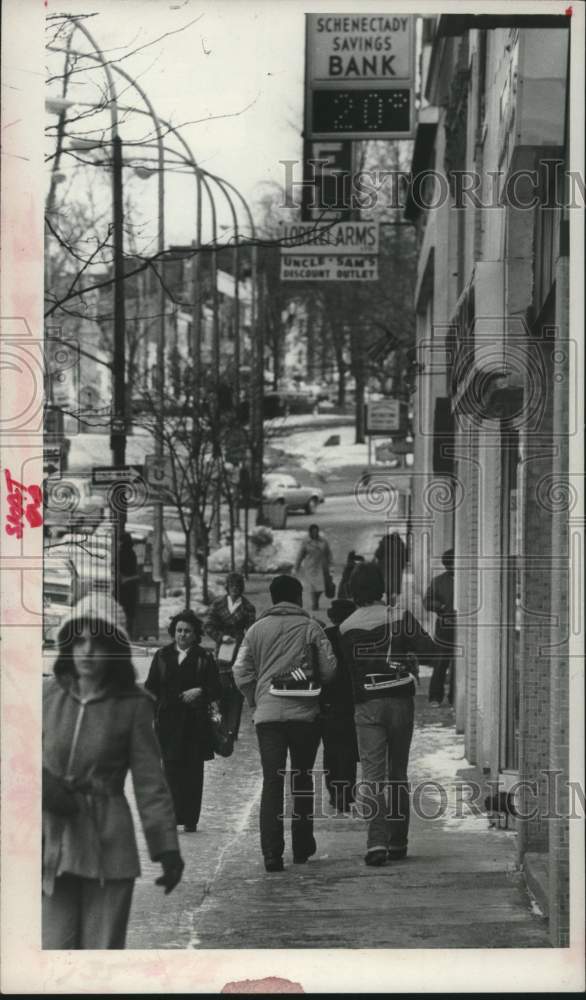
{"type": "Point", "coordinates": [279, 487]}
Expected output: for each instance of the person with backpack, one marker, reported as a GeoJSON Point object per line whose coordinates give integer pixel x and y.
{"type": "Point", "coordinates": [282, 662]}
{"type": "Point", "coordinates": [380, 655]}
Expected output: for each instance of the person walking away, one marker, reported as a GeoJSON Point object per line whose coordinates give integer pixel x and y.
{"type": "Point", "coordinates": [352, 561]}
{"type": "Point", "coordinates": [227, 620]}
{"type": "Point", "coordinates": [316, 558]}
{"type": "Point", "coordinates": [391, 556]}
{"type": "Point", "coordinates": [283, 658]}
{"type": "Point", "coordinates": [128, 577]}
{"type": "Point", "coordinates": [97, 726]}
{"type": "Point", "coordinates": [380, 656]}
{"type": "Point", "coordinates": [337, 713]}
{"type": "Point", "coordinates": [440, 599]}
{"type": "Point", "coordinates": [184, 681]}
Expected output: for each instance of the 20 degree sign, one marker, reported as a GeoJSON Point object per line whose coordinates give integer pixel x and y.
{"type": "Point", "coordinates": [359, 76]}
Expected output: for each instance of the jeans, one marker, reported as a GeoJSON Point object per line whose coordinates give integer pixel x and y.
{"type": "Point", "coordinates": [384, 727]}
{"type": "Point", "coordinates": [301, 739]}
{"type": "Point", "coordinates": [230, 702]}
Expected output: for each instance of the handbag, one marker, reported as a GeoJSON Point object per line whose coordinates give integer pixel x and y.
{"type": "Point", "coordinates": [299, 681]}
{"type": "Point", "coordinates": [222, 739]}
{"type": "Point", "coordinates": [329, 585]}
{"type": "Point", "coordinates": [226, 655]}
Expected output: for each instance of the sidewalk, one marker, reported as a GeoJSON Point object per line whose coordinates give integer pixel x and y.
{"type": "Point", "coordinates": [458, 889]}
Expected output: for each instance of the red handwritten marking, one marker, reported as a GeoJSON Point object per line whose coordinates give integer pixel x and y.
{"type": "Point", "coordinates": [569, 12]}
{"type": "Point", "coordinates": [270, 985]}
{"type": "Point", "coordinates": [17, 510]}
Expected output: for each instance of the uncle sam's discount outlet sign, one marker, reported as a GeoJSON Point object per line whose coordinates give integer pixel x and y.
{"type": "Point", "coordinates": [359, 76]}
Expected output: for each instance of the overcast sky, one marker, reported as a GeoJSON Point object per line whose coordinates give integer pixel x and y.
{"type": "Point", "coordinates": [239, 59]}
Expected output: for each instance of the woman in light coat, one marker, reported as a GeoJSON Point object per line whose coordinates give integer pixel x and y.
{"type": "Point", "coordinates": [98, 725]}
{"type": "Point", "coordinates": [314, 560]}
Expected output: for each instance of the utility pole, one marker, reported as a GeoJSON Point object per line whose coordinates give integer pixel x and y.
{"type": "Point", "coordinates": [118, 438]}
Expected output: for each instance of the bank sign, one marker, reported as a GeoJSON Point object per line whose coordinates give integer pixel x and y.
{"type": "Point", "coordinates": [359, 76]}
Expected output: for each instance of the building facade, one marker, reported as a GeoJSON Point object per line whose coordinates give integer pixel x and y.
{"type": "Point", "coordinates": [491, 409]}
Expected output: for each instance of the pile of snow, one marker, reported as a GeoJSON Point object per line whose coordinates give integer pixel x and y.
{"type": "Point", "coordinates": [171, 605]}
{"type": "Point", "coordinates": [269, 551]}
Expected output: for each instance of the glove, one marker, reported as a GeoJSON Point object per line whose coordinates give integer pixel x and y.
{"type": "Point", "coordinates": [58, 798]}
{"type": "Point", "coordinates": [172, 865]}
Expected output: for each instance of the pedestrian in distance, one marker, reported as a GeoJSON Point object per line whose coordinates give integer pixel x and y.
{"type": "Point", "coordinates": [185, 683]}
{"type": "Point", "coordinates": [337, 715]}
{"type": "Point", "coordinates": [282, 662]}
{"type": "Point", "coordinates": [440, 599]}
{"type": "Point", "coordinates": [352, 561]}
{"type": "Point", "coordinates": [97, 726]}
{"type": "Point", "coordinates": [314, 561]}
{"type": "Point", "coordinates": [226, 622]}
{"type": "Point", "coordinates": [128, 577]}
{"type": "Point", "coordinates": [391, 555]}
{"type": "Point", "coordinates": [380, 656]}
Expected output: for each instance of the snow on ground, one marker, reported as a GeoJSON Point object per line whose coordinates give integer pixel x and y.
{"type": "Point", "coordinates": [308, 447]}
{"type": "Point", "coordinates": [454, 800]}
{"type": "Point", "coordinates": [172, 604]}
{"type": "Point", "coordinates": [279, 553]}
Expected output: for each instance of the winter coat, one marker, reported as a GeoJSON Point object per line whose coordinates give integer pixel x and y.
{"type": "Point", "coordinates": [367, 637]}
{"type": "Point", "coordinates": [220, 621]}
{"type": "Point", "coordinates": [96, 741]}
{"type": "Point", "coordinates": [183, 730]}
{"type": "Point", "coordinates": [337, 698]}
{"type": "Point", "coordinates": [274, 644]}
{"type": "Point", "coordinates": [440, 598]}
{"type": "Point", "coordinates": [314, 557]}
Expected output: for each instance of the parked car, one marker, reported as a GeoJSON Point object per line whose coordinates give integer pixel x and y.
{"type": "Point", "coordinates": [279, 487]}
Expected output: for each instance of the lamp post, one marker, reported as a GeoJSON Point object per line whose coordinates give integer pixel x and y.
{"type": "Point", "coordinates": [118, 453]}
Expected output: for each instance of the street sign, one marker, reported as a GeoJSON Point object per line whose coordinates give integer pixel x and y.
{"type": "Point", "coordinates": [359, 76]}
{"type": "Point", "coordinates": [385, 416]}
{"type": "Point", "coordinates": [339, 238]}
{"type": "Point", "coordinates": [108, 475]}
{"type": "Point", "coordinates": [159, 471]}
{"type": "Point", "coordinates": [338, 268]}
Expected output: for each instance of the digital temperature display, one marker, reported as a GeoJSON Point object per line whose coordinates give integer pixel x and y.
{"type": "Point", "coordinates": [354, 112]}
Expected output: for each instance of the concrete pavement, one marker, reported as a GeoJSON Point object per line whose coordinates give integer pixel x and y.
{"type": "Point", "coordinates": [458, 889]}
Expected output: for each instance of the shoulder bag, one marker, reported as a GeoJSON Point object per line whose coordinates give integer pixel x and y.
{"type": "Point", "coordinates": [301, 680]}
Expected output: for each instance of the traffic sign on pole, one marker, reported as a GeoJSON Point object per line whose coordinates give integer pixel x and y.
{"type": "Point", "coordinates": [109, 475]}
{"type": "Point", "coordinates": [159, 471]}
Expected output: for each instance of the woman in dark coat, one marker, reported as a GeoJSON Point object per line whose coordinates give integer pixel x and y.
{"type": "Point", "coordinates": [391, 556]}
{"type": "Point", "coordinates": [337, 714]}
{"type": "Point", "coordinates": [184, 680]}
{"type": "Point", "coordinates": [227, 621]}
{"type": "Point", "coordinates": [97, 726]}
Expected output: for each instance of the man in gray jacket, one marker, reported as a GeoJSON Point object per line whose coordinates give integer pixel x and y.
{"type": "Point", "coordinates": [283, 659]}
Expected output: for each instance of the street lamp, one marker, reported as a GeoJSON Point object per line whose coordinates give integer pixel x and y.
{"type": "Point", "coordinates": [159, 433]}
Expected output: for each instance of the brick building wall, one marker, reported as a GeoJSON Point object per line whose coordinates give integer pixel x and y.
{"type": "Point", "coordinates": [559, 826]}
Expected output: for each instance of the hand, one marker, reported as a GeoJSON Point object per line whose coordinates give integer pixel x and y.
{"type": "Point", "coordinates": [172, 865]}
{"type": "Point", "coordinates": [191, 695]}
